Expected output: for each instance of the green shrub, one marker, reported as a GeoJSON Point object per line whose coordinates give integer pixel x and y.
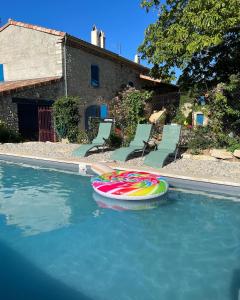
{"type": "Point", "coordinates": [234, 144]}
{"type": "Point", "coordinates": [202, 138]}
{"type": "Point", "coordinates": [128, 109]}
{"type": "Point", "coordinates": [115, 140]}
{"type": "Point", "coordinates": [8, 135]}
{"type": "Point", "coordinates": [82, 137]}
{"type": "Point", "coordinates": [66, 117]}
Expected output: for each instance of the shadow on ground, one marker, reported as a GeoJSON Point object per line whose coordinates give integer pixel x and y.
{"type": "Point", "coordinates": [21, 280]}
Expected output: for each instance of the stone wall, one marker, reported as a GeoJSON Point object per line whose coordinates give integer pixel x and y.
{"type": "Point", "coordinates": [46, 92]}
{"type": "Point", "coordinates": [27, 54]}
{"type": "Point", "coordinates": [8, 108]}
{"type": "Point", "coordinates": [8, 112]}
{"type": "Point", "coordinates": [112, 76]}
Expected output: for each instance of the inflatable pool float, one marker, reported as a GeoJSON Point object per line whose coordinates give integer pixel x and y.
{"type": "Point", "coordinates": [129, 185]}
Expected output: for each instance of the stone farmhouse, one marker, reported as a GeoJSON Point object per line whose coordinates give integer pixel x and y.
{"type": "Point", "coordinates": [39, 65]}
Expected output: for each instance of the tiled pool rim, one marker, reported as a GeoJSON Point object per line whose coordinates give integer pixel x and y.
{"type": "Point", "coordinates": [82, 168]}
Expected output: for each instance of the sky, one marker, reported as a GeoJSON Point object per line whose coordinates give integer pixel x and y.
{"type": "Point", "coordinates": [123, 21]}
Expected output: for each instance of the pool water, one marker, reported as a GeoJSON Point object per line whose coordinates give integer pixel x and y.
{"type": "Point", "coordinates": [57, 243]}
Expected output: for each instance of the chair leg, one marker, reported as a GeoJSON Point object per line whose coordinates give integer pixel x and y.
{"type": "Point", "coordinates": [176, 154]}
{"type": "Point", "coordinates": [144, 148]}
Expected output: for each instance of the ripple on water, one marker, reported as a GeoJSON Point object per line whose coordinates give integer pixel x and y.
{"type": "Point", "coordinates": [186, 248]}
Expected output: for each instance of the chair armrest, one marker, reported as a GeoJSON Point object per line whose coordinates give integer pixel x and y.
{"type": "Point", "coordinates": [145, 143]}
{"type": "Point", "coordinates": [106, 140]}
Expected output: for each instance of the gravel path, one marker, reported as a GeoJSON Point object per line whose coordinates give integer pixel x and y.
{"type": "Point", "coordinates": [215, 170]}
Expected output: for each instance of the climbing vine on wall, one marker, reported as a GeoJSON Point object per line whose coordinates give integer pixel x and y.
{"type": "Point", "coordinates": [128, 109]}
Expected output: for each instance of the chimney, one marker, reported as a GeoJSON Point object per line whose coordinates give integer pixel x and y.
{"type": "Point", "coordinates": [95, 36]}
{"type": "Point", "coordinates": [102, 39]}
{"type": "Point", "coordinates": [137, 59]}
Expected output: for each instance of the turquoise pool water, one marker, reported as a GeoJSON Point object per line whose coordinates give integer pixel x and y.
{"type": "Point", "coordinates": [57, 243]}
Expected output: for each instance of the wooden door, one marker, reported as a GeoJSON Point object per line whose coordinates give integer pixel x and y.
{"type": "Point", "coordinates": [45, 124]}
{"type": "Point", "coordinates": [200, 119]}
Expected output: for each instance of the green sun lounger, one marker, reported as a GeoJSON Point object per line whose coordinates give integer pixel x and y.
{"type": "Point", "coordinates": [139, 142]}
{"type": "Point", "coordinates": [104, 132]}
{"type": "Point", "coordinates": [168, 146]}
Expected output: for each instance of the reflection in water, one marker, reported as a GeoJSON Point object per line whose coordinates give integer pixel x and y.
{"type": "Point", "coordinates": [38, 201]}
{"type": "Point", "coordinates": [114, 204]}
{"type": "Point", "coordinates": [38, 214]}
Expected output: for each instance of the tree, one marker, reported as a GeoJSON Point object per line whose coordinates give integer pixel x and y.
{"type": "Point", "coordinates": [213, 65]}
{"type": "Point", "coordinates": [194, 35]}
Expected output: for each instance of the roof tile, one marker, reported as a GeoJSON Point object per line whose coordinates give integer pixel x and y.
{"type": "Point", "coordinates": [13, 86]}
{"type": "Point", "coordinates": [34, 27]}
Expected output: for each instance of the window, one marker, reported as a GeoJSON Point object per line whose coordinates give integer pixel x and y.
{"type": "Point", "coordinates": [94, 76]}
{"type": "Point", "coordinates": [1, 73]}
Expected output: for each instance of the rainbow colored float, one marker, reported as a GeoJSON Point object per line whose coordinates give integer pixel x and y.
{"type": "Point", "coordinates": [129, 185]}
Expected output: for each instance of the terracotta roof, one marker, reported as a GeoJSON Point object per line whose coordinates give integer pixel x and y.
{"type": "Point", "coordinates": [34, 27]}
{"type": "Point", "coordinates": [156, 81]}
{"type": "Point", "coordinates": [15, 86]}
{"type": "Point", "coordinates": [145, 77]}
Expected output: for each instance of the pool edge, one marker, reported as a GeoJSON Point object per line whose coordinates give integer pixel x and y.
{"type": "Point", "coordinates": [84, 168]}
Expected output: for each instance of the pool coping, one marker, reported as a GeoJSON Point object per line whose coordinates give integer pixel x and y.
{"type": "Point", "coordinates": [84, 168]}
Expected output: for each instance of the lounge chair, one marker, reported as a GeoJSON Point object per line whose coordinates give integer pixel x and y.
{"type": "Point", "coordinates": [139, 143]}
{"type": "Point", "coordinates": [168, 146]}
{"type": "Point", "coordinates": [104, 132]}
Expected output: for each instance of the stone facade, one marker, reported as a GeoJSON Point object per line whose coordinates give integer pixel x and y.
{"type": "Point", "coordinates": [27, 53]}
{"type": "Point", "coordinates": [9, 108]}
{"type": "Point", "coordinates": [112, 76]}
{"type": "Point", "coordinates": [8, 112]}
{"type": "Point", "coordinates": [32, 52]}
{"type": "Point", "coordinates": [46, 92]}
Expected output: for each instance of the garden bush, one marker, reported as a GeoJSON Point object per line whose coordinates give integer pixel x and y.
{"type": "Point", "coordinates": [128, 109]}
{"type": "Point", "coordinates": [201, 138]}
{"type": "Point", "coordinates": [66, 117]}
{"type": "Point", "coordinates": [82, 137]}
{"type": "Point", "coordinates": [8, 135]}
{"type": "Point", "coordinates": [234, 144]}
{"type": "Point", "coordinates": [115, 140]}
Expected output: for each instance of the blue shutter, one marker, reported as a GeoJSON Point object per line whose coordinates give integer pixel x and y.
{"type": "Point", "coordinates": [94, 76]}
{"type": "Point", "coordinates": [104, 111]}
{"type": "Point", "coordinates": [1, 73]}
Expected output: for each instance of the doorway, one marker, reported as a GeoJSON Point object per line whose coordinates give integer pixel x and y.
{"type": "Point", "coordinates": [28, 121]}
{"type": "Point", "coordinates": [35, 120]}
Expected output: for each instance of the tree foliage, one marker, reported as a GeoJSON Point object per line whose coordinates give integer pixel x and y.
{"type": "Point", "coordinates": [213, 65]}
{"type": "Point", "coordinates": [193, 35]}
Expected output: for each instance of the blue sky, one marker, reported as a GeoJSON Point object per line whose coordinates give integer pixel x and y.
{"type": "Point", "coordinates": [122, 21]}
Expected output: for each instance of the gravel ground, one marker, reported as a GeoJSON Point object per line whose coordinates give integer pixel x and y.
{"type": "Point", "coordinates": [216, 170]}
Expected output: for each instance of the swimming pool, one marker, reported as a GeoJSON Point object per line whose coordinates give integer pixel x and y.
{"type": "Point", "coordinates": [57, 243]}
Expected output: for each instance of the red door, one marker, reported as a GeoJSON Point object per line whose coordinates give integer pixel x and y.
{"type": "Point", "coordinates": [45, 124]}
